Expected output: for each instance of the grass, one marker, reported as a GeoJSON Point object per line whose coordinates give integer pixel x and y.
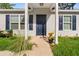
{"type": "Point", "coordinates": [68, 46]}
{"type": "Point", "coordinates": [15, 44]}
{"type": "Point", "coordinates": [5, 43]}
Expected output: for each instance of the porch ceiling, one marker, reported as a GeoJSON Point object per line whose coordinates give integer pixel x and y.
{"type": "Point", "coordinates": [45, 5]}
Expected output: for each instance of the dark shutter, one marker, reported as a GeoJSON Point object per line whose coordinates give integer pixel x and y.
{"type": "Point", "coordinates": [60, 22]}
{"type": "Point", "coordinates": [73, 22]}
{"type": "Point", "coordinates": [7, 22]}
{"type": "Point", "coordinates": [30, 22]}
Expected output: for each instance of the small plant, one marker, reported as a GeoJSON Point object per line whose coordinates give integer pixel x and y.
{"type": "Point", "coordinates": [50, 38]}
{"type": "Point", "coordinates": [10, 32]}
{"type": "Point", "coordinates": [7, 33]}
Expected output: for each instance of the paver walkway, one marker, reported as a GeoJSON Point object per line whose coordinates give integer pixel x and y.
{"type": "Point", "coordinates": [42, 48]}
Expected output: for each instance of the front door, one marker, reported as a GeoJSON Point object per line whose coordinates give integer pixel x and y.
{"type": "Point", "coordinates": [40, 24]}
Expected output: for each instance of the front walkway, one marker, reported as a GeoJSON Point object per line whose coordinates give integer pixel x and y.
{"type": "Point", "coordinates": [42, 48]}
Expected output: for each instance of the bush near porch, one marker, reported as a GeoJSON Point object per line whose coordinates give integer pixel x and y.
{"type": "Point", "coordinates": [68, 46]}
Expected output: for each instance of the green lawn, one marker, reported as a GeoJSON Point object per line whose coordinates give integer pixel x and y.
{"type": "Point", "coordinates": [5, 43]}
{"type": "Point", "coordinates": [67, 46]}
{"type": "Point", "coordinates": [15, 44]}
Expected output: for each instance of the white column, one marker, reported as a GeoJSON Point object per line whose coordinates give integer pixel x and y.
{"type": "Point", "coordinates": [19, 25]}
{"type": "Point", "coordinates": [56, 23]}
{"type": "Point", "coordinates": [19, 21]}
{"type": "Point", "coordinates": [26, 20]}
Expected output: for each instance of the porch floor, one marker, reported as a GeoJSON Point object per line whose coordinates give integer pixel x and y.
{"type": "Point", "coordinates": [42, 48]}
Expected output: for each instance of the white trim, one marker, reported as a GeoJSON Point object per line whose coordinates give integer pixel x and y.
{"type": "Point", "coordinates": [56, 23]}
{"type": "Point", "coordinates": [10, 21]}
{"type": "Point", "coordinates": [19, 22]}
{"type": "Point", "coordinates": [26, 21]}
{"type": "Point", "coordinates": [18, 18]}
{"type": "Point", "coordinates": [71, 23]}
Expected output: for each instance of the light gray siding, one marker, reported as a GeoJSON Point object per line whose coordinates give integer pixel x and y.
{"type": "Point", "coordinates": [2, 21]}
{"type": "Point", "coordinates": [50, 24]}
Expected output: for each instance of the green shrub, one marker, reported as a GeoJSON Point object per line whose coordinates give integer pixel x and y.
{"type": "Point", "coordinates": [2, 35]}
{"type": "Point", "coordinates": [50, 38]}
{"type": "Point", "coordinates": [8, 34]}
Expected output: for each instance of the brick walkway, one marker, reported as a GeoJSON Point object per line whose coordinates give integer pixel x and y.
{"type": "Point", "coordinates": [42, 48]}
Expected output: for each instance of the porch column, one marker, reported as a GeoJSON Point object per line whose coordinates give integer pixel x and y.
{"type": "Point", "coordinates": [26, 21]}
{"type": "Point", "coordinates": [56, 23]}
{"type": "Point", "coordinates": [19, 22]}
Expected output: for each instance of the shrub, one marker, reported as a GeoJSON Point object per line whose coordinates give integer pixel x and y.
{"type": "Point", "coordinates": [50, 38]}
{"type": "Point", "coordinates": [20, 44]}
{"type": "Point", "coordinates": [7, 33]}
{"type": "Point", "coordinates": [2, 35]}
{"type": "Point", "coordinates": [10, 33]}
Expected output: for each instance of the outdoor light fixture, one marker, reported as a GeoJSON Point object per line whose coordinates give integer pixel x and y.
{"type": "Point", "coordinates": [30, 8]}
{"type": "Point", "coordinates": [52, 9]}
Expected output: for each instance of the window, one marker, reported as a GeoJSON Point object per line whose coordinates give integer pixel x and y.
{"type": "Point", "coordinates": [14, 21]}
{"type": "Point", "coordinates": [22, 22]}
{"type": "Point", "coordinates": [14, 25]}
{"type": "Point", "coordinates": [67, 22]}
{"type": "Point", "coordinates": [30, 22]}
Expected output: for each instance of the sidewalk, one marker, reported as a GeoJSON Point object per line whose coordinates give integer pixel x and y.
{"type": "Point", "coordinates": [42, 49]}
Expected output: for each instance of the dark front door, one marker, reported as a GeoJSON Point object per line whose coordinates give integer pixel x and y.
{"type": "Point", "coordinates": [40, 24]}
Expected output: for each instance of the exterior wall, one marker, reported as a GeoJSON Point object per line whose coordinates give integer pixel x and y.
{"type": "Point", "coordinates": [50, 20]}
{"type": "Point", "coordinates": [19, 32]}
{"type": "Point", "coordinates": [50, 23]}
{"type": "Point", "coordinates": [71, 32]}
{"type": "Point", "coordinates": [2, 21]}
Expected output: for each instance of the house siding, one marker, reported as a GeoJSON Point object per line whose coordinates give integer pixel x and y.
{"type": "Point", "coordinates": [2, 21]}
{"type": "Point", "coordinates": [70, 32]}
{"type": "Point", "coordinates": [50, 19]}
{"type": "Point", "coordinates": [50, 23]}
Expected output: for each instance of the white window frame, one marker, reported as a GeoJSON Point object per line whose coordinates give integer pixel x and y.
{"type": "Point", "coordinates": [71, 23]}
{"type": "Point", "coordinates": [10, 21]}
{"type": "Point", "coordinates": [18, 21]}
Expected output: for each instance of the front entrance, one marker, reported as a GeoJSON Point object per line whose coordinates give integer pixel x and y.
{"type": "Point", "coordinates": [40, 24]}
